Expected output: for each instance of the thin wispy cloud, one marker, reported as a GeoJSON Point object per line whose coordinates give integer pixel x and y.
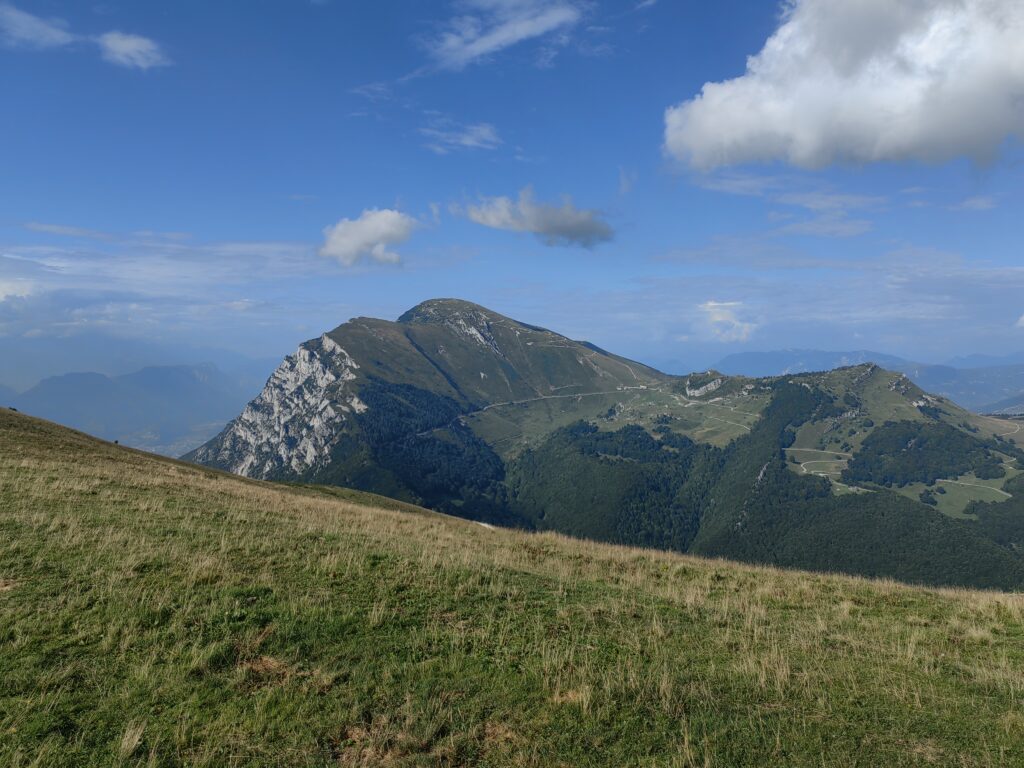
{"type": "Point", "coordinates": [830, 224]}
{"type": "Point", "coordinates": [829, 201]}
{"type": "Point", "coordinates": [445, 135]}
{"type": "Point", "coordinates": [84, 233]}
{"type": "Point", "coordinates": [486, 27]}
{"type": "Point", "coordinates": [627, 180]}
{"type": "Point", "coordinates": [376, 91]}
{"type": "Point", "coordinates": [832, 213]}
{"type": "Point", "coordinates": [563, 224]}
{"type": "Point", "coordinates": [144, 290]}
{"type": "Point", "coordinates": [64, 230]}
{"type": "Point", "coordinates": [980, 203]}
{"type": "Point", "coordinates": [851, 81]}
{"type": "Point", "coordinates": [20, 29]}
{"type": "Point", "coordinates": [132, 51]}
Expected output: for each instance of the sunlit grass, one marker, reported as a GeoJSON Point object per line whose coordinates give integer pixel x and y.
{"type": "Point", "coordinates": [153, 613]}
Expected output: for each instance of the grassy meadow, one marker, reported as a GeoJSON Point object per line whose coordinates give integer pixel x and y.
{"type": "Point", "coordinates": [154, 613]}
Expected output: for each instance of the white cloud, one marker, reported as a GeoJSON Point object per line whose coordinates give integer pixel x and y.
{"type": "Point", "coordinates": [490, 26]}
{"type": "Point", "coordinates": [132, 51]}
{"type": "Point", "coordinates": [446, 135]}
{"type": "Point", "coordinates": [14, 287]}
{"type": "Point", "coordinates": [865, 81]}
{"type": "Point", "coordinates": [21, 29]}
{"type": "Point", "coordinates": [563, 224]}
{"type": "Point", "coordinates": [369, 236]}
{"type": "Point", "coordinates": [723, 320]}
{"type": "Point", "coordinates": [1020, 322]}
{"type": "Point", "coordinates": [18, 28]}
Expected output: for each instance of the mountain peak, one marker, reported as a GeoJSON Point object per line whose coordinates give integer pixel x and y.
{"type": "Point", "coordinates": [441, 310]}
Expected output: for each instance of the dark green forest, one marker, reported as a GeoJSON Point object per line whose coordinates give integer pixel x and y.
{"type": "Point", "coordinates": [905, 452]}
{"type": "Point", "coordinates": [660, 489]}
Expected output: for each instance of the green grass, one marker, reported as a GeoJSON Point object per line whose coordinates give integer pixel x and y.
{"type": "Point", "coordinates": [154, 613]}
{"type": "Point", "coordinates": [961, 491]}
{"type": "Point", "coordinates": [511, 429]}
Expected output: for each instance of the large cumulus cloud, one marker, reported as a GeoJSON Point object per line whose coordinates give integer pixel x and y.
{"type": "Point", "coordinates": [865, 81]}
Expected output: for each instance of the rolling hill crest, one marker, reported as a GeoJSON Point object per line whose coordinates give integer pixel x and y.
{"type": "Point", "coordinates": [458, 408]}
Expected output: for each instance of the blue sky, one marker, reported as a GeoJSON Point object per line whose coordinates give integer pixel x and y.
{"type": "Point", "coordinates": [674, 181]}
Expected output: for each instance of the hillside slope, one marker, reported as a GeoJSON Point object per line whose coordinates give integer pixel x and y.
{"type": "Point", "coordinates": [157, 613]}
{"type": "Point", "coordinates": [462, 410]}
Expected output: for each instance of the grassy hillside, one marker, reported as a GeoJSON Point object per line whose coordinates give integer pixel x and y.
{"type": "Point", "coordinates": [155, 613]}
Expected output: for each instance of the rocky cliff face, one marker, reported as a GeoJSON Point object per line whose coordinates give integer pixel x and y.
{"type": "Point", "coordinates": [296, 419]}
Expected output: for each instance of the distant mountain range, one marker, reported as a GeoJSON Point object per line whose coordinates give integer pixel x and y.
{"type": "Point", "coordinates": [43, 357]}
{"type": "Point", "coordinates": [785, 361]}
{"type": "Point", "coordinates": [980, 383]}
{"type": "Point", "coordinates": [163, 409]}
{"type": "Point", "coordinates": [1012, 406]}
{"type": "Point", "coordinates": [463, 410]}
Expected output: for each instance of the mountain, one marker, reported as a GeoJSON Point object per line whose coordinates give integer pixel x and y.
{"type": "Point", "coordinates": [986, 361]}
{"type": "Point", "coordinates": [195, 618]}
{"type": "Point", "coordinates": [1011, 406]}
{"type": "Point", "coordinates": [460, 409]}
{"type": "Point", "coordinates": [165, 409]}
{"type": "Point", "coordinates": [973, 383]}
{"type": "Point", "coordinates": [43, 357]}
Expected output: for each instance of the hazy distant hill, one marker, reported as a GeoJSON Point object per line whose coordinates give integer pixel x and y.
{"type": "Point", "coordinates": [986, 361]}
{"type": "Point", "coordinates": [975, 388]}
{"type": "Point", "coordinates": [461, 409]}
{"type": "Point", "coordinates": [1013, 406]}
{"type": "Point", "coordinates": [977, 382]}
{"type": "Point", "coordinates": [43, 357]}
{"type": "Point", "coordinates": [784, 361]}
{"type": "Point", "coordinates": [167, 409]}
